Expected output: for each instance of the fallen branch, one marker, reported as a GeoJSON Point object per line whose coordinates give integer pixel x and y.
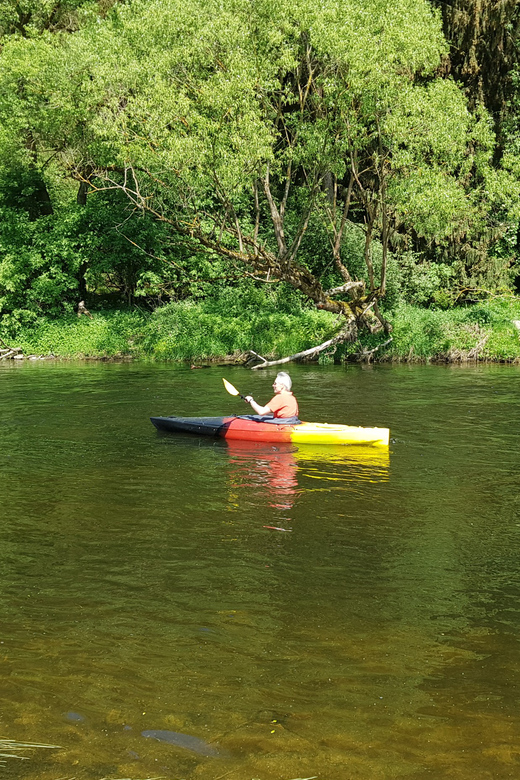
{"type": "Point", "coordinates": [312, 352]}
{"type": "Point", "coordinates": [10, 353]}
{"type": "Point", "coordinates": [369, 352]}
{"type": "Point", "coordinates": [260, 357]}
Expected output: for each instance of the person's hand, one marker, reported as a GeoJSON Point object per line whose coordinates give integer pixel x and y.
{"type": "Point", "coordinates": [248, 399]}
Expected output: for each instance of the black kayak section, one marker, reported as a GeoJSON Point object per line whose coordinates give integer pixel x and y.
{"type": "Point", "coordinates": [215, 426]}
{"type": "Point", "coordinates": [207, 426]}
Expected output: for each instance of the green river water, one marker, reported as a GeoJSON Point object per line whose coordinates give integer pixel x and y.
{"type": "Point", "coordinates": [376, 636]}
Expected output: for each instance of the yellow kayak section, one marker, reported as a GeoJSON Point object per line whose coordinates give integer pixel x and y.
{"type": "Point", "coordinates": [327, 433]}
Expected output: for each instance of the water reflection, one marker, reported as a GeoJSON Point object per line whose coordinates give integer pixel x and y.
{"type": "Point", "coordinates": [341, 463]}
{"type": "Point", "coordinates": [268, 468]}
{"type": "Point", "coordinates": [273, 470]}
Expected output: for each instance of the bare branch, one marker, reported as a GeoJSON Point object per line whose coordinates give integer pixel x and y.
{"type": "Point", "coordinates": [366, 354]}
{"type": "Point", "coordinates": [251, 255]}
{"type": "Point", "coordinates": [293, 250]}
{"type": "Point", "coordinates": [345, 288]}
{"type": "Point", "coordinates": [257, 211]}
{"type": "Point", "coordinates": [367, 251]}
{"type": "Point", "coordinates": [340, 232]}
{"type": "Point", "coordinates": [148, 254]}
{"type": "Point", "coordinates": [303, 98]}
{"type": "Point", "coordinates": [252, 352]}
{"type": "Point", "coordinates": [276, 217]}
{"type": "Point", "coordinates": [343, 335]}
{"type": "Point", "coordinates": [286, 191]}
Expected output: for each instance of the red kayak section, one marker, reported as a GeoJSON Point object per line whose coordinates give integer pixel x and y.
{"type": "Point", "coordinates": [235, 428]}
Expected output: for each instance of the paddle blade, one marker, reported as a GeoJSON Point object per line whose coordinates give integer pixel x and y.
{"type": "Point", "coordinates": [229, 387]}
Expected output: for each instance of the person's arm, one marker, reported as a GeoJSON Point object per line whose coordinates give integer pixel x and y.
{"type": "Point", "coordinates": [258, 409]}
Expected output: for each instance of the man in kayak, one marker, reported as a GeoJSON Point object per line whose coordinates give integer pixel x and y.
{"type": "Point", "coordinates": [283, 403]}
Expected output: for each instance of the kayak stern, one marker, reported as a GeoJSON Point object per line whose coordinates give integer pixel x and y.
{"type": "Point", "coordinates": [325, 433]}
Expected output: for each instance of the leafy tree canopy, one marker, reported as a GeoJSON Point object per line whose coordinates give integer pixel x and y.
{"type": "Point", "coordinates": [251, 128]}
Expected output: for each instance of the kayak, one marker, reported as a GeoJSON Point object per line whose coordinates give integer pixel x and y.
{"type": "Point", "coordinates": [249, 428]}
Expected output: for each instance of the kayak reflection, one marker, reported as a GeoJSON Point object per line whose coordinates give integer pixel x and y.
{"type": "Point", "coordinates": [351, 469]}
{"type": "Point", "coordinates": [271, 467]}
{"type": "Point", "coordinates": [344, 464]}
{"type": "Point", "coordinates": [275, 468]}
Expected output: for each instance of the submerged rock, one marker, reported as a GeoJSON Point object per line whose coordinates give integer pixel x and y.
{"type": "Point", "coordinates": [182, 740]}
{"type": "Point", "coordinates": [74, 717]}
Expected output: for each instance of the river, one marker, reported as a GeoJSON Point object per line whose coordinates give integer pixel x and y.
{"type": "Point", "coordinates": [338, 613]}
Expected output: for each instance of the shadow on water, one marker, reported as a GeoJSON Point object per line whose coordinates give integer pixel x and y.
{"type": "Point", "coordinates": [147, 591]}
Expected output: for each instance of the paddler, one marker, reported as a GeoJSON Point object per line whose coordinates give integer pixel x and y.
{"type": "Point", "coordinates": [283, 403]}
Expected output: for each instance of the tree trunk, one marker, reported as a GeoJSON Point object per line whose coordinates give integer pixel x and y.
{"type": "Point", "coordinates": [82, 285]}
{"type": "Point", "coordinates": [81, 197]}
{"type": "Point", "coordinates": [39, 203]}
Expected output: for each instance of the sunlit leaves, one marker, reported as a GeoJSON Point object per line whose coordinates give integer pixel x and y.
{"type": "Point", "coordinates": [433, 202]}
{"type": "Point", "coordinates": [186, 104]}
{"type": "Point", "coordinates": [380, 39]}
{"type": "Point", "coordinates": [195, 89]}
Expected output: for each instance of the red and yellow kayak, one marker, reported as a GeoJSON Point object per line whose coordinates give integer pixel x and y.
{"type": "Point", "coordinates": [247, 428]}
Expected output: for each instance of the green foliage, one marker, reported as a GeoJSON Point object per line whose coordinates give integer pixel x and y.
{"type": "Point", "coordinates": [122, 250]}
{"type": "Point", "coordinates": [192, 93]}
{"type": "Point", "coordinates": [244, 299]}
{"type": "Point", "coordinates": [105, 335]}
{"type": "Point", "coordinates": [178, 331]}
{"type": "Point", "coordinates": [484, 331]}
{"type": "Point", "coordinates": [43, 262]}
{"type": "Point", "coordinates": [29, 18]}
{"type": "Point", "coordinates": [179, 107]}
{"type": "Point", "coordinates": [37, 267]}
{"type": "Point", "coordinates": [422, 282]}
{"type": "Point", "coordinates": [186, 331]}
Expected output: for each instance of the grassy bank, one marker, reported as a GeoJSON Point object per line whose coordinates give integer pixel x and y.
{"type": "Point", "coordinates": [182, 331]}
{"type": "Point", "coordinates": [191, 332]}
{"type": "Point", "coordinates": [483, 331]}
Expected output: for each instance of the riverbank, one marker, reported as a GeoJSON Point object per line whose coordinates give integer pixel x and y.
{"type": "Point", "coordinates": [191, 332]}
{"type": "Point", "coordinates": [480, 332]}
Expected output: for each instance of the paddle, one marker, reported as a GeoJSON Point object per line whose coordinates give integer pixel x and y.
{"type": "Point", "coordinates": [232, 390]}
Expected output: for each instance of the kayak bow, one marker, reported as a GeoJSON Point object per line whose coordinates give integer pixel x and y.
{"type": "Point", "coordinates": [247, 428]}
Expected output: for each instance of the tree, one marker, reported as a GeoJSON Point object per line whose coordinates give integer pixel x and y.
{"type": "Point", "coordinates": [484, 57]}
{"type": "Point", "coordinates": [238, 128]}
{"type": "Point", "coordinates": [244, 126]}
